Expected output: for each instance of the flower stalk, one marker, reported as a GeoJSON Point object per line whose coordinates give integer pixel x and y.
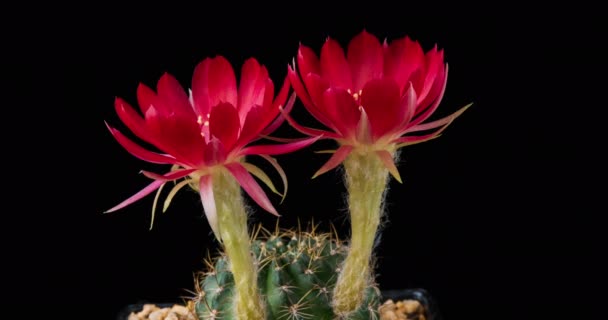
{"type": "Point", "coordinates": [232, 224]}
{"type": "Point", "coordinates": [366, 180]}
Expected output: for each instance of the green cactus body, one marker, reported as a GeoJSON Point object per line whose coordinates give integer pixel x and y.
{"type": "Point", "coordinates": [297, 273]}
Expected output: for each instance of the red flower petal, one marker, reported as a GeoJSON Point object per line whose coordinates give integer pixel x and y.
{"type": "Point", "coordinates": [335, 160]}
{"type": "Point", "coordinates": [314, 110]}
{"type": "Point", "coordinates": [308, 62]}
{"type": "Point", "coordinates": [138, 151]}
{"type": "Point", "coordinates": [142, 193]}
{"type": "Point", "coordinates": [408, 104]}
{"type": "Point", "coordinates": [278, 103]}
{"type": "Point", "coordinates": [433, 61]}
{"type": "Point", "coordinates": [430, 110]}
{"type": "Point", "coordinates": [251, 86]}
{"type": "Point", "coordinates": [382, 101]}
{"type": "Point", "coordinates": [342, 110]}
{"type": "Point", "coordinates": [221, 82]}
{"type": "Point", "coordinates": [401, 58]}
{"type": "Point", "coordinates": [208, 200]}
{"type": "Point", "coordinates": [132, 119]}
{"type": "Point", "coordinates": [146, 97]}
{"type": "Point", "coordinates": [436, 87]}
{"type": "Point", "coordinates": [178, 136]}
{"type": "Point", "coordinates": [334, 66]}
{"type": "Point", "coordinates": [174, 97]}
{"type": "Point", "coordinates": [250, 186]}
{"type": "Point", "coordinates": [224, 124]}
{"type": "Point", "coordinates": [278, 148]}
{"type": "Point", "coordinates": [365, 59]}
{"type": "Point", "coordinates": [200, 88]}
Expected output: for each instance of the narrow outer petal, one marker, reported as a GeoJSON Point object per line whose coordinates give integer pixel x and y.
{"type": "Point", "coordinates": [208, 200]}
{"type": "Point", "coordinates": [389, 163]}
{"type": "Point", "coordinates": [138, 151]}
{"type": "Point", "coordinates": [304, 96]}
{"type": "Point", "coordinates": [430, 110]}
{"type": "Point", "coordinates": [335, 160]}
{"type": "Point", "coordinates": [279, 148]}
{"type": "Point", "coordinates": [132, 119]}
{"type": "Point", "coordinates": [250, 186]}
{"type": "Point", "coordinates": [142, 193]}
{"type": "Point", "coordinates": [173, 175]}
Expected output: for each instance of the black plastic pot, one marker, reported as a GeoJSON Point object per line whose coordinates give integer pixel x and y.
{"type": "Point", "coordinates": [425, 299]}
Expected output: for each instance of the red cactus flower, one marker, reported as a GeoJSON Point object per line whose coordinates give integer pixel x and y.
{"type": "Point", "coordinates": [209, 129]}
{"type": "Point", "coordinates": [373, 98]}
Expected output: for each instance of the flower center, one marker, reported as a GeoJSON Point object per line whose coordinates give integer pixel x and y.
{"type": "Point", "coordinates": [356, 95]}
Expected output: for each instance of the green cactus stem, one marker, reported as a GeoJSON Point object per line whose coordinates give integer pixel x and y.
{"type": "Point", "coordinates": [297, 273]}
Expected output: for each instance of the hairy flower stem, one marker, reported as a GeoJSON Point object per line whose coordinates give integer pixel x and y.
{"type": "Point", "coordinates": [366, 180]}
{"type": "Point", "coordinates": [232, 218]}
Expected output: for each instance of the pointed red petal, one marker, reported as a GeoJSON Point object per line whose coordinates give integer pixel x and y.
{"type": "Point", "coordinates": [365, 59]}
{"type": "Point", "coordinates": [279, 148]}
{"type": "Point", "coordinates": [142, 193]}
{"type": "Point", "coordinates": [224, 124]}
{"type": "Point", "coordinates": [429, 111]}
{"type": "Point", "coordinates": [221, 82]}
{"type": "Point", "coordinates": [173, 175]}
{"type": "Point", "coordinates": [434, 62]}
{"type": "Point", "coordinates": [179, 136]}
{"type": "Point", "coordinates": [298, 87]}
{"type": "Point", "coordinates": [389, 163]}
{"type": "Point", "coordinates": [334, 66]}
{"type": "Point", "coordinates": [278, 103]}
{"type": "Point", "coordinates": [174, 97]}
{"type": "Point", "coordinates": [250, 186]}
{"type": "Point", "coordinates": [382, 101]}
{"type": "Point", "coordinates": [132, 119]}
{"type": "Point", "coordinates": [208, 200]}
{"type": "Point", "coordinates": [200, 88]}
{"type": "Point", "coordinates": [335, 160]}
{"type": "Point", "coordinates": [302, 93]}
{"type": "Point", "coordinates": [138, 151]}
{"type": "Point", "coordinates": [401, 59]}
{"type": "Point", "coordinates": [282, 95]}
{"type": "Point", "coordinates": [308, 62]}
{"type": "Point", "coordinates": [251, 86]}
{"type": "Point", "coordinates": [146, 97]}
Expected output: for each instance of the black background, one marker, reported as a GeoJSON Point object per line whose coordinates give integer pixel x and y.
{"type": "Point", "coordinates": [491, 217]}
